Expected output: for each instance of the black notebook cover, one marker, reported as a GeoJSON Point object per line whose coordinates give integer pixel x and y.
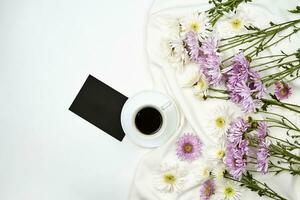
{"type": "Point", "coordinates": [100, 105]}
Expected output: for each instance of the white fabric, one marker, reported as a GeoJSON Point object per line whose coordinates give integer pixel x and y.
{"type": "Point", "coordinates": [195, 111]}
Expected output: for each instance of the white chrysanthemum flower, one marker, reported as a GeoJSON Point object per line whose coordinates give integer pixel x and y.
{"type": "Point", "coordinates": [228, 190]}
{"type": "Point", "coordinates": [219, 121]}
{"type": "Point", "coordinates": [172, 23]}
{"type": "Point", "coordinates": [233, 23]}
{"type": "Point", "coordinates": [170, 178]}
{"type": "Point", "coordinates": [174, 51]}
{"type": "Point", "coordinates": [189, 76]}
{"type": "Point", "coordinates": [175, 25]}
{"type": "Point", "coordinates": [200, 90]}
{"type": "Point", "coordinates": [203, 171]}
{"type": "Point", "coordinates": [218, 172]}
{"type": "Point", "coordinates": [198, 23]}
{"type": "Point", "coordinates": [216, 153]}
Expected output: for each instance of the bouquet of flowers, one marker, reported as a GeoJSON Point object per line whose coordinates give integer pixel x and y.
{"type": "Point", "coordinates": [223, 55]}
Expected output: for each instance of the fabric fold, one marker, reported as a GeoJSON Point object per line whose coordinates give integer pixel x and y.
{"type": "Point", "coordinates": [194, 111]}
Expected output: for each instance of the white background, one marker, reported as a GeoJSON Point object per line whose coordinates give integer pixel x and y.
{"type": "Point", "coordinates": [47, 49]}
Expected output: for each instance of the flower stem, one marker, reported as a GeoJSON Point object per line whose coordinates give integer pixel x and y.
{"type": "Point", "coordinates": [218, 90]}
{"type": "Point", "coordinates": [217, 97]}
{"type": "Point", "coordinates": [253, 184]}
{"type": "Point", "coordinates": [221, 7]}
{"type": "Point", "coordinates": [277, 65]}
{"type": "Point", "coordinates": [280, 75]}
{"type": "Point", "coordinates": [283, 121]}
{"type": "Point", "coordinates": [277, 59]}
{"type": "Point", "coordinates": [290, 107]}
{"type": "Point", "coordinates": [259, 40]}
{"type": "Point", "coordinates": [278, 169]}
{"type": "Point", "coordinates": [282, 151]}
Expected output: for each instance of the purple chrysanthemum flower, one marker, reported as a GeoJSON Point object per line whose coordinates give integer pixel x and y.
{"type": "Point", "coordinates": [189, 147]}
{"type": "Point", "coordinates": [258, 89]}
{"type": "Point", "coordinates": [241, 94]}
{"type": "Point", "coordinates": [207, 189]}
{"type": "Point", "coordinates": [282, 90]}
{"type": "Point", "coordinates": [253, 75]}
{"type": "Point", "coordinates": [235, 91]}
{"type": "Point", "coordinates": [262, 156]}
{"type": "Point", "coordinates": [242, 91]}
{"type": "Point", "coordinates": [244, 85]}
{"type": "Point", "coordinates": [193, 46]}
{"type": "Point", "coordinates": [239, 70]}
{"type": "Point", "coordinates": [244, 95]}
{"type": "Point", "coordinates": [237, 148]}
{"type": "Point", "coordinates": [236, 158]}
{"type": "Point", "coordinates": [236, 130]}
{"type": "Point", "coordinates": [210, 61]}
{"type": "Point", "coordinates": [256, 85]}
{"type": "Point", "coordinates": [262, 131]}
{"type": "Point", "coordinates": [210, 46]}
{"type": "Point", "coordinates": [249, 104]}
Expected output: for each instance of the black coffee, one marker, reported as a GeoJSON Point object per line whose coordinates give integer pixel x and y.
{"type": "Point", "coordinates": [148, 120]}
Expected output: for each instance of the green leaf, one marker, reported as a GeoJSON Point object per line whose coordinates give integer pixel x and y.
{"type": "Point", "coordinates": [264, 107]}
{"type": "Point", "coordinates": [283, 53]}
{"type": "Point", "coordinates": [252, 28]}
{"type": "Point", "coordinates": [298, 54]}
{"type": "Point", "coordinates": [274, 97]}
{"type": "Point", "coordinates": [296, 10]}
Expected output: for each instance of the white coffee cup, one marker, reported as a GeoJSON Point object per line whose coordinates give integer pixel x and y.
{"type": "Point", "coordinates": [157, 101]}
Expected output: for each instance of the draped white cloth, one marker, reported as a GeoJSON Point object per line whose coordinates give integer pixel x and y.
{"type": "Point", "coordinates": [195, 112]}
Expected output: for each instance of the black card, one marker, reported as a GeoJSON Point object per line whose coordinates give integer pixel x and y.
{"type": "Point", "coordinates": [101, 105]}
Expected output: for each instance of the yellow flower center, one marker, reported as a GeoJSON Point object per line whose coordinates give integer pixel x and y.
{"type": "Point", "coordinates": [236, 23]}
{"type": "Point", "coordinates": [207, 190]}
{"type": "Point", "coordinates": [220, 153]}
{"type": "Point", "coordinates": [229, 191]}
{"type": "Point", "coordinates": [201, 84]}
{"type": "Point", "coordinates": [283, 92]}
{"type": "Point", "coordinates": [220, 122]}
{"type": "Point", "coordinates": [187, 148]}
{"type": "Point", "coordinates": [195, 26]}
{"type": "Point", "coordinates": [169, 178]}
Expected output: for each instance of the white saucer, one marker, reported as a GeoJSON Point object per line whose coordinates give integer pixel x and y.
{"type": "Point", "coordinates": [165, 105]}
